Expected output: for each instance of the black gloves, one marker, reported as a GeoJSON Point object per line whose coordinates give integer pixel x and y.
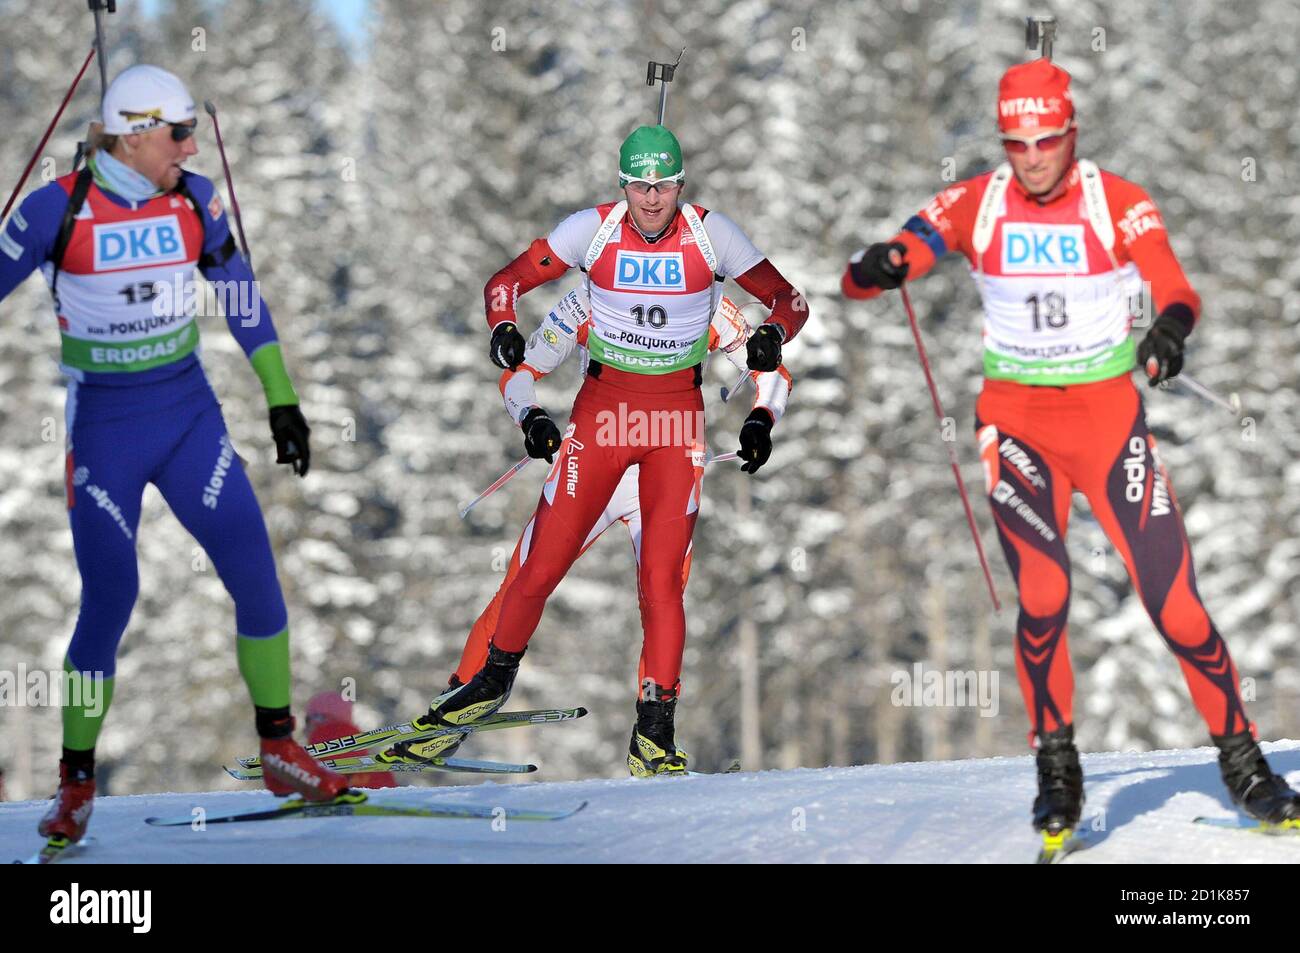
{"type": "Point", "coordinates": [756, 439]}
{"type": "Point", "coordinates": [507, 347]}
{"type": "Point", "coordinates": [763, 348]}
{"type": "Point", "coordinates": [883, 265]}
{"type": "Point", "coordinates": [1160, 355]}
{"type": "Point", "coordinates": [290, 430]}
{"type": "Point", "coordinates": [541, 436]}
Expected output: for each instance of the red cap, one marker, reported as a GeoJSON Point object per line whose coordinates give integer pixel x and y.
{"type": "Point", "coordinates": [1034, 95]}
{"type": "Point", "coordinates": [331, 706]}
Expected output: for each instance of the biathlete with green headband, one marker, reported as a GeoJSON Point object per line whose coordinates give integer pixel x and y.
{"type": "Point", "coordinates": [118, 244]}
{"type": "Point", "coordinates": [653, 269]}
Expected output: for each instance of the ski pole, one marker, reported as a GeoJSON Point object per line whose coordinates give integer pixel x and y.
{"type": "Point", "coordinates": [46, 138]}
{"type": "Point", "coordinates": [952, 454]}
{"type": "Point", "coordinates": [1232, 403]}
{"type": "Point", "coordinates": [501, 481]}
{"type": "Point", "coordinates": [98, 8]}
{"type": "Point", "coordinates": [730, 392]}
{"type": "Point", "coordinates": [230, 187]}
{"type": "Point", "coordinates": [509, 475]}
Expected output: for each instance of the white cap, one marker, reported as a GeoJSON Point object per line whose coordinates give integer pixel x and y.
{"type": "Point", "coordinates": [142, 97]}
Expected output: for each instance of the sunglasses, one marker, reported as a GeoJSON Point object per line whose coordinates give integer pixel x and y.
{"type": "Point", "coordinates": [1047, 142]}
{"type": "Point", "coordinates": [180, 130]}
{"type": "Point", "coordinates": [663, 186]}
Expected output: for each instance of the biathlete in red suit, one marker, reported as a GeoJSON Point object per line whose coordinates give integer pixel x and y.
{"type": "Point", "coordinates": [653, 269]}
{"type": "Point", "coordinates": [564, 333]}
{"type": "Point", "coordinates": [1060, 250]}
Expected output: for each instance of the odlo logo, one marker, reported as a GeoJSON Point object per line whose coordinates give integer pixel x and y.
{"type": "Point", "coordinates": [1135, 475]}
{"type": "Point", "coordinates": [1135, 470]}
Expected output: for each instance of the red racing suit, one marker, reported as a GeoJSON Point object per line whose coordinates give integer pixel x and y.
{"type": "Point", "coordinates": [1061, 284]}
{"type": "Point", "coordinates": [562, 333]}
{"type": "Point", "coordinates": [651, 305]}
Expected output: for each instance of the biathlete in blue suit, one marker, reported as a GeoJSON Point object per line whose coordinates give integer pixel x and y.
{"type": "Point", "coordinates": [118, 243]}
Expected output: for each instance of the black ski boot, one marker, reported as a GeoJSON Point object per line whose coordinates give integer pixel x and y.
{"type": "Point", "coordinates": [482, 695]}
{"type": "Point", "coordinates": [1060, 782]}
{"type": "Point", "coordinates": [652, 750]}
{"type": "Point", "coordinates": [1254, 787]}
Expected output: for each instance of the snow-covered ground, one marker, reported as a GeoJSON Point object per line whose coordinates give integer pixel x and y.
{"type": "Point", "coordinates": [961, 811]}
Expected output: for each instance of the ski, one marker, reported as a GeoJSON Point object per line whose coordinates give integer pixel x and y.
{"type": "Point", "coordinates": [406, 731]}
{"type": "Point", "coordinates": [358, 805]}
{"type": "Point", "coordinates": [1285, 829]}
{"type": "Point", "coordinates": [364, 764]}
{"type": "Point", "coordinates": [733, 767]}
{"type": "Point", "coordinates": [58, 848]}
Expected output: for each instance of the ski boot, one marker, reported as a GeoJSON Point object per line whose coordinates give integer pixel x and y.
{"type": "Point", "coordinates": [419, 752]}
{"type": "Point", "coordinates": [482, 695]}
{"type": "Point", "coordinates": [1254, 787]}
{"type": "Point", "coordinates": [1060, 791]}
{"type": "Point", "coordinates": [652, 750]}
{"type": "Point", "coordinates": [287, 768]}
{"type": "Point", "coordinates": [68, 816]}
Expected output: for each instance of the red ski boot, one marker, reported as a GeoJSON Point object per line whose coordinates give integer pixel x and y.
{"type": "Point", "coordinates": [287, 768]}
{"type": "Point", "coordinates": [70, 812]}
